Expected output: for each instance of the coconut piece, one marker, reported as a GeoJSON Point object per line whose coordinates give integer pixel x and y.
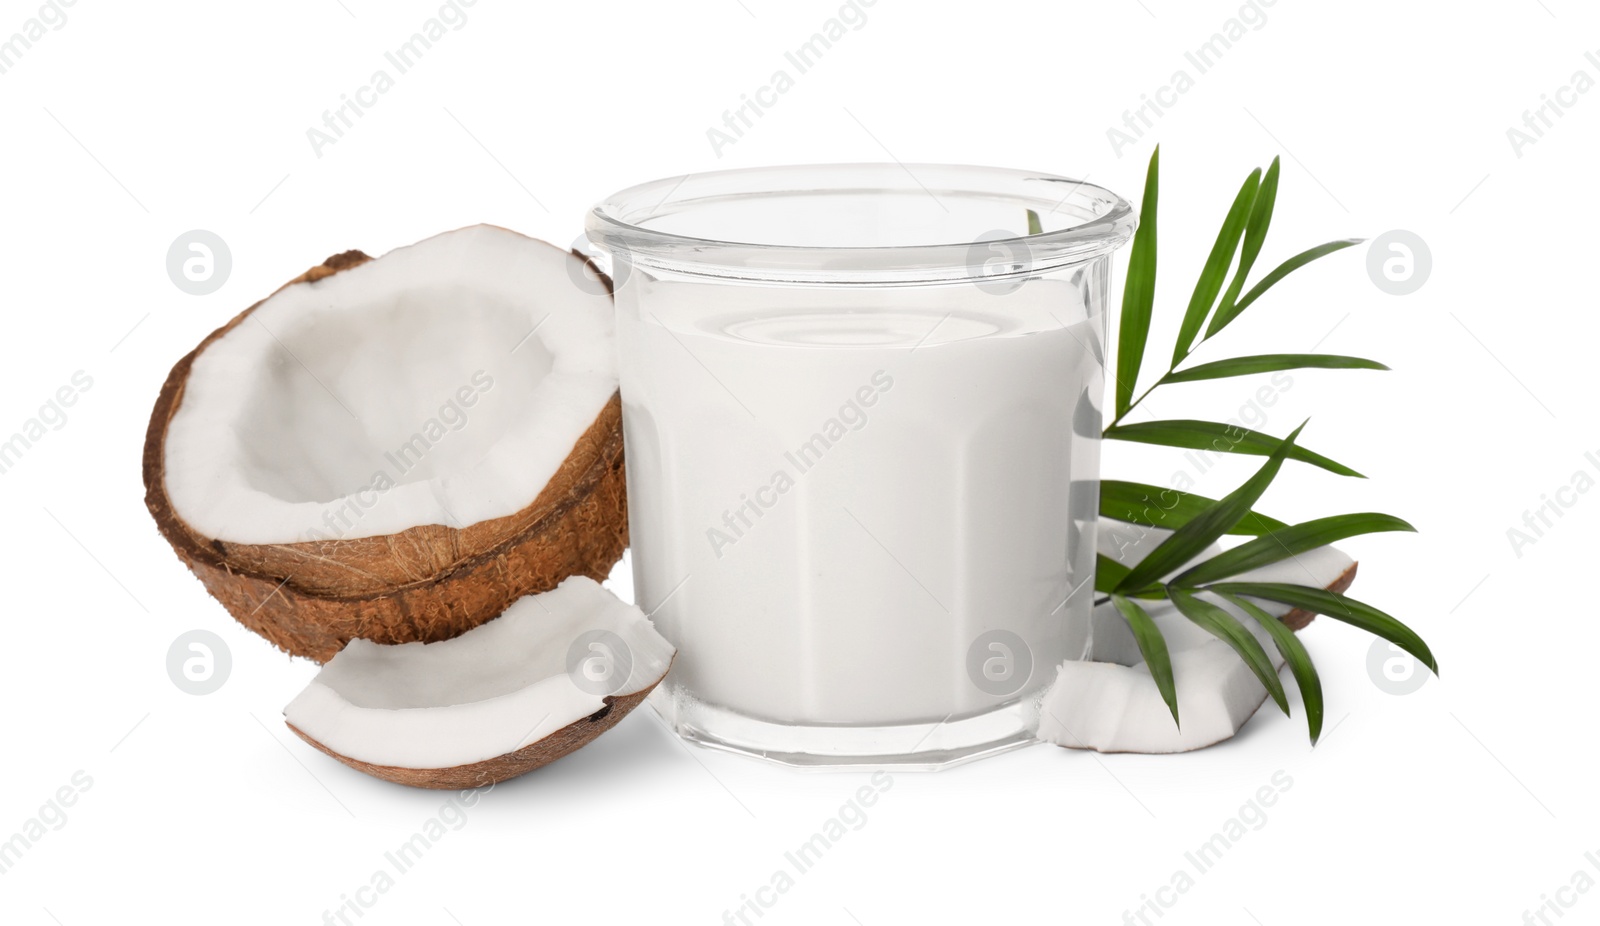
{"type": "Point", "coordinates": [1108, 702]}
{"type": "Point", "coordinates": [546, 677]}
{"type": "Point", "coordinates": [396, 448]}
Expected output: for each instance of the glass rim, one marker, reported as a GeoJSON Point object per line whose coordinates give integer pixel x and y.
{"type": "Point", "coordinates": [619, 226]}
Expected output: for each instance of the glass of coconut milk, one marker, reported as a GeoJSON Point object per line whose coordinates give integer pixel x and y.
{"type": "Point", "coordinates": [862, 412]}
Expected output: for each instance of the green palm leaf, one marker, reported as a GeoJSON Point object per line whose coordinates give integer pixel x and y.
{"type": "Point", "coordinates": [1340, 608]}
{"type": "Point", "coordinates": [1201, 531]}
{"type": "Point", "coordinates": [1138, 291]}
{"type": "Point", "coordinates": [1269, 363]}
{"type": "Point", "coordinates": [1216, 267]}
{"type": "Point", "coordinates": [1107, 573]}
{"type": "Point", "coordinates": [1154, 649]}
{"type": "Point", "coordinates": [1255, 235]}
{"type": "Point", "coordinates": [1195, 521]}
{"type": "Point", "coordinates": [1226, 627]}
{"type": "Point", "coordinates": [1289, 542]}
{"type": "Point", "coordinates": [1157, 506]}
{"type": "Point", "coordinates": [1222, 438]}
{"type": "Point", "coordinates": [1299, 661]}
{"type": "Point", "coordinates": [1282, 270]}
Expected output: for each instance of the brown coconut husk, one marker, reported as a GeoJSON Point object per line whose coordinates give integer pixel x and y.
{"type": "Point", "coordinates": [492, 771]}
{"type": "Point", "coordinates": [1297, 619]}
{"type": "Point", "coordinates": [425, 583]}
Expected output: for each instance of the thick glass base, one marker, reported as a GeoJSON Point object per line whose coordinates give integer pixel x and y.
{"type": "Point", "coordinates": [915, 747]}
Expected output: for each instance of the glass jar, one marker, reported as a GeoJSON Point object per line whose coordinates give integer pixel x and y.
{"type": "Point", "coordinates": [861, 407]}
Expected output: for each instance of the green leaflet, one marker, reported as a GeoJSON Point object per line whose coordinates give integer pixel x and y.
{"type": "Point", "coordinates": [1284, 543]}
{"type": "Point", "coordinates": [1216, 267]}
{"type": "Point", "coordinates": [1158, 506]}
{"type": "Point", "coordinates": [1138, 291]}
{"type": "Point", "coordinates": [1269, 363]}
{"type": "Point", "coordinates": [1223, 438]}
{"type": "Point", "coordinates": [1226, 627]}
{"type": "Point", "coordinates": [1255, 235]}
{"type": "Point", "coordinates": [1299, 661]}
{"type": "Point", "coordinates": [1153, 647]}
{"type": "Point", "coordinates": [1340, 608]}
{"type": "Point", "coordinates": [1282, 270]}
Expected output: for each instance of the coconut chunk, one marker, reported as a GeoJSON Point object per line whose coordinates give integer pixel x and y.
{"type": "Point", "coordinates": [547, 676]}
{"type": "Point", "coordinates": [1108, 701]}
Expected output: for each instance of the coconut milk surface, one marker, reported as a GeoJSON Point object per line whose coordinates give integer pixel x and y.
{"type": "Point", "coordinates": [832, 510]}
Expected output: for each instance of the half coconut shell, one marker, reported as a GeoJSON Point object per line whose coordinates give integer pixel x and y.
{"type": "Point", "coordinates": [424, 583]}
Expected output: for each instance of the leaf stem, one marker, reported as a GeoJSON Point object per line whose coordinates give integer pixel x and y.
{"type": "Point", "coordinates": [1170, 370]}
{"type": "Point", "coordinates": [1135, 403]}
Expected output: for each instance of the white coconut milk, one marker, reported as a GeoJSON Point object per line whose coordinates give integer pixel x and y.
{"type": "Point", "coordinates": [829, 505]}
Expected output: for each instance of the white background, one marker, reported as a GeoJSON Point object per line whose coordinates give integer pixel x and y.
{"type": "Point", "coordinates": [1465, 802]}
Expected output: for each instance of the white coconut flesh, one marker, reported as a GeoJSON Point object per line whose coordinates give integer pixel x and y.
{"type": "Point", "coordinates": [1109, 702]}
{"type": "Point", "coordinates": [442, 383]}
{"type": "Point", "coordinates": [488, 692]}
